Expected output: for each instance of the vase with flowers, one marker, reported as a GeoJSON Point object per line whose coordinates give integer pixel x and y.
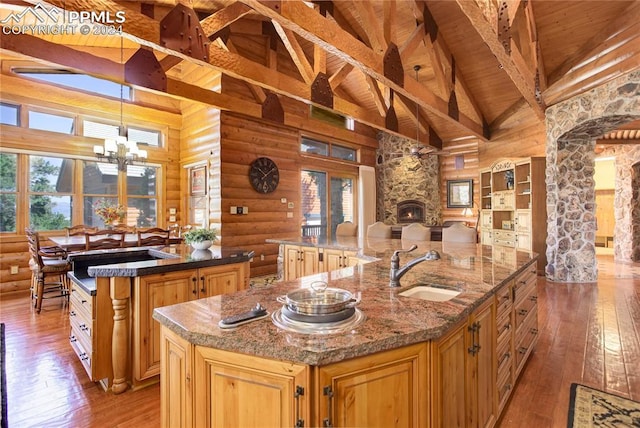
{"type": "Point", "coordinates": [109, 212]}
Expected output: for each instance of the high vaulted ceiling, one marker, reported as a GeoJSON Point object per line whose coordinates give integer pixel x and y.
{"type": "Point", "coordinates": [462, 68]}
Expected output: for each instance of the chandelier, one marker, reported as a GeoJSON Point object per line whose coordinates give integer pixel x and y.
{"type": "Point", "coordinates": [120, 150]}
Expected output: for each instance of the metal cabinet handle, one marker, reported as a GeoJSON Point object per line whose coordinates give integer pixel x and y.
{"type": "Point", "coordinates": [298, 393]}
{"type": "Point", "coordinates": [326, 422]}
{"type": "Point", "coordinates": [194, 290]}
{"type": "Point", "coordinates": [203, 289]}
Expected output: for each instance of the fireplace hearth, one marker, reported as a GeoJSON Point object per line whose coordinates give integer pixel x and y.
{"type": "Point", "coordinates": [410, 211]}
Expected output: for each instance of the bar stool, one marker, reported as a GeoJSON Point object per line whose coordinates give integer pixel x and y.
{"type": "Point", "coordinates": [47, 263]}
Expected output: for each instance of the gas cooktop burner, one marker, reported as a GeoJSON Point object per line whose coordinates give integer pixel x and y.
{"type": "Point", "coordinates": [317, 324]}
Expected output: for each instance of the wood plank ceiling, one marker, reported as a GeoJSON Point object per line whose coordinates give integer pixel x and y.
{"type": "Point", "coordinates": [484, 66]}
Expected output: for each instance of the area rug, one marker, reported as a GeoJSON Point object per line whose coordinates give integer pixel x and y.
{"type": "Point", "coordinates": [3, 382]}
{"type": "Point", "coordinates": [590, 407]}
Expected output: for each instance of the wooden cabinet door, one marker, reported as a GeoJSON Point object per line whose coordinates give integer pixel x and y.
{"type": "Point", "coordinates": [450, 382]}
{"type": "Point", "coordinates": [176, 389]}
{"type": "Point", "coordinates": [292, 265]}
{"type": "Point", "coordinates": [351, 258]}
{"type": "Point", "coordinates": [332, 259]}
{"type": "Point", "coordinates": [235, 390]}
{"type": "Point", "coordinates": [223, 279]}
{"type": "Point", "coordinates": [381, 390]}
{"type": "Point", "coordinates": [482, 369]}
{"type": "Point", "coordinates": [310, 261]}
{"type": "Point", "coordinates": [523, 221]}
{"type": "Point", "coordinates": [154, 291]}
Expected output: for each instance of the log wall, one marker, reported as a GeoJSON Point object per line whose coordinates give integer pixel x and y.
{"type": "Point", "coordinates": [156, 112]}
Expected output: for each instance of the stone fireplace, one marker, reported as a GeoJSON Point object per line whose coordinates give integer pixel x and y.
{"type": "Point", "coordinates": [410, 211]}
{"type": "Point", "coordinates": [402, 178]}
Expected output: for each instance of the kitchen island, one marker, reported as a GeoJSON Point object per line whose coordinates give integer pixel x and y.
{"type": "Point", "coordinates": [411, 362]}
{"type": "Point", "coordinates": [114, 292]}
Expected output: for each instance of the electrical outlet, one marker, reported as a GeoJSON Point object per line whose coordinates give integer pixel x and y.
{"type": "Point", "coordinates": [233, 210]}
{"type": "Point", "coordinates": [245, 210]}
{"type": "Point", "coordinates": [261, 257]}
{"type": "Point", "coordinates": [239, 210]}
{"type": "Point", "coordinates": [14, 269]}
{"type": "Point", "coordinates": [289, 214]}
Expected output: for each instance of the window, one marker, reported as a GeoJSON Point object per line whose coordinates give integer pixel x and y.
{"type": "Point", "coordinates": [144, 136]}
{"type": "Point", "coordinates": [99, 181]}
{"type": "Point", "coordinates": [8, 191]}
{"type": "Point", "coordinates": [141, 196]}
{"type": "Point", "coordinates": [50, 188]}
{"type": "Point", "coordinates": [318, 187]}
{"type": "Point", "coordinates": [9, 114]}
{"type": "Point", "coordinates": [99, 130]}
{"type": "Point", "coordinates": [50, 122]}
{"type": "Point", "coordinates": [78, 81]}
{"type": "Point", "coordinates": [104, 130]}
{"type": "Point", "coordinates": [331, 150]}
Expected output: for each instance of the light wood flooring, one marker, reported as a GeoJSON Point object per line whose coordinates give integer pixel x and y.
{"type": "Point", "coordinates": [589, 333]}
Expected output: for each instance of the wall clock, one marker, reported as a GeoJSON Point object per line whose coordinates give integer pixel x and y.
{"type": "Point", "coordinates": [264, 175]}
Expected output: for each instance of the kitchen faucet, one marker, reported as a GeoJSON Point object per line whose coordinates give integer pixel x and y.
{"type": "Point", "coordinates": [397, 272]}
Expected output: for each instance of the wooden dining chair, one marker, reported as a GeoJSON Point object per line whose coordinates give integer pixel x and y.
{"type": "Point", "coordinates": [104, 239]}
{"type": "Point", "coordinates": [153, 236]}
{"type": "Point", "coordinates": [47, 263]}
{"type": "Point", "coordinates": [78, 230]}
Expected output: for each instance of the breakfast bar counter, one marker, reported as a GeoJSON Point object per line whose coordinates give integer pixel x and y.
{"type": "Point", "coordinates": [114, 292]}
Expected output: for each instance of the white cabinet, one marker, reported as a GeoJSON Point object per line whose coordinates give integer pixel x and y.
{"type": "Point", "coordinates": [513, 198]}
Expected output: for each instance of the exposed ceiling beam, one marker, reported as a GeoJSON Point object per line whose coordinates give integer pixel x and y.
{"type": "Point", "coordinates": [145, 31]}
{"type": "Point", "coordinates": [312, 26]}
{"type": "Point", "coordinates": [371, 25]}
{"type": "Point", "coordinates": [513, 65]}
{"type": "Point", "coordinates": [296, 52]}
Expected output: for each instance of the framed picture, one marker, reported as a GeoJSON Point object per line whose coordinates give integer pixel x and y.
{"type": "Point", "coordinates": [459, 193]}
{"type": "Point", "coordinates": [198, 181]}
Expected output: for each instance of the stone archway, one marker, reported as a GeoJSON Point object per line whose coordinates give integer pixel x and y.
{"type": "Point", "coordinates": [572, 127]}
{"type": "Point", "coordinates": [635, 211]}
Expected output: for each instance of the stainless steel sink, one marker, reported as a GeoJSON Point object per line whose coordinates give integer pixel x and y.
{"type": "Point", "coordinates": [433, 294]}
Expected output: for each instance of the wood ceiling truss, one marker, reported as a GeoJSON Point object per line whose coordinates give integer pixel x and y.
{"type": "Point", "coordinates": [296, 19]}
{"type": "Point", "coordinates": [324, 32]}
{"type": "Point", "coordinates": [511, 61]}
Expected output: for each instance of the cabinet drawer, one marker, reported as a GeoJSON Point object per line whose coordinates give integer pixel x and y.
{"type": "Point", "coordinates": [83, 354]}
{"type": "Point", "coordinates": [504, 238]}
{"type": "Point", "coordinates": [82, 299]}
{"type": "Point", "coordinates": [504, 357]}
{"type": "Point", "coordinates": [82, 327]}
{"type": "Point", "coordinates": [527, 277]}
{"type": "Point", "coordinates": [525, 340]}
{"type": "Point", "coordinates": [524, 309]}
{"type": "Point", "coordinates": [504, 386]}
{"type": "Point", "coordinates": [503, 327]}
{"type": "Point", "coordinates": [503, 301]}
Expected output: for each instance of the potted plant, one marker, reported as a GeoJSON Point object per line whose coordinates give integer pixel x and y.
{"type": "Point", "coordinates": [200, 239]}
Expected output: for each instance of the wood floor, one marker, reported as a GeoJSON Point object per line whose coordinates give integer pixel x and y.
{"type": "Point", "coordinates": [589, 333]}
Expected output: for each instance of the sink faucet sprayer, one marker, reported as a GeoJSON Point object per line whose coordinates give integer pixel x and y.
{"type": "Point", "coordinates": [397, 272]}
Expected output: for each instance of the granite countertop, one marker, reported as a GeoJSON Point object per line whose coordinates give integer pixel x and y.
{"type": "Point", "coordinates": [392, 320]}
{"type": "Point", "coordinates": [140, 261]}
